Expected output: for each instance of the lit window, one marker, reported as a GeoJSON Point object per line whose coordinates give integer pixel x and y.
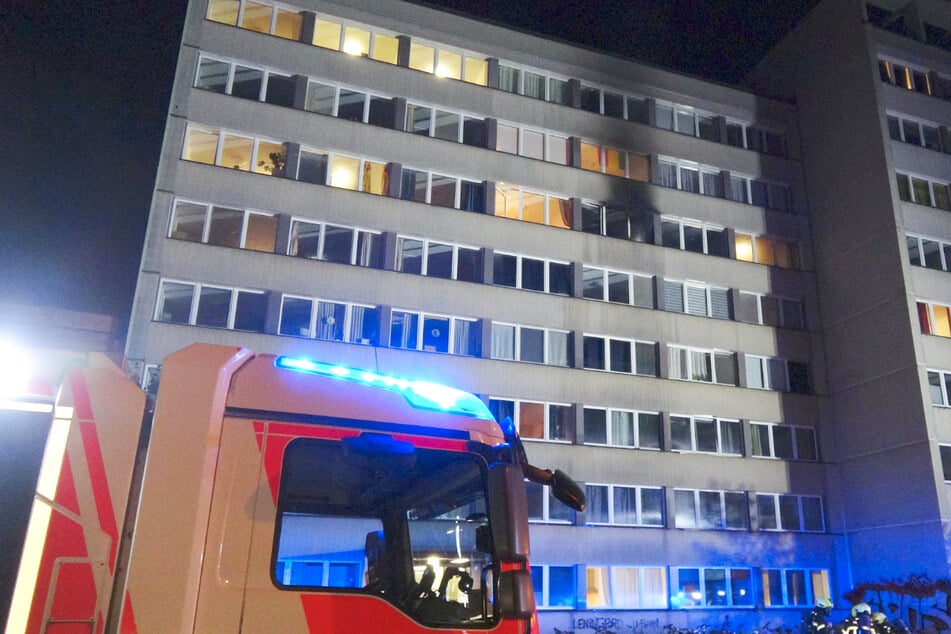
{"type": "Point", "coordinates": [385, 48]}
{"type": "Point", "coordinates": [356, 41]}
{"type": "Point", "coordinates": [224, 11]}
{"type": "Point", "coordinates": [421, 57]}
{"type": "Point", "coordinates": [327, 34]}
{"type": "Point", "coordinates": [711, 587]}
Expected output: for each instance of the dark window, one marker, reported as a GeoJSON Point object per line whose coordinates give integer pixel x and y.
{"type": "Point", "coordinates": [591, 218]}
{"type": "Point", "coordinates": [213, 307]}
{"type": "Point", "coordinates": [616, 223]}
{"type": "Point", "coordinates": [670, 234]}
{"type": "Point", "coordinates": [734, 134]}
{"type": "Point", "coordinates": [532, 342]}
{"type": "Point", "coordinates": [473, 132]}
{"type": "Point", "coordinates": [504, 270]}
{"type": "Point", "coordinates": [645, 356]}
{"type": "Point", "coordinates": [413, 185]}
{"type": "Point", "coordinates": [799, 378]}
{"type": "Point", "coordinates": [594, 353]}
{"type": "Point", "coordinates": [717, 243]}
{"type": "Point", "coordinates": [295, 317]}
{"type": "Point", "coordinates": [350, 106]}
{"type": "Point", "coordinates": [338, 244]}
{"type": "Point", "coordinates": [613, 105]}
{"type": "Point", "coordinates": [213, 75]}
{"type": "Point", "coordinates": [381, 112]}
{"type": "Point", "coordinates": [559, 278]}
{"type": "Point", "coordinates": [280, 90]}
{"type": "Point", "coordinates": [247, 83]}
{"type": "Point", "coordinates": [411, 256]}
{"type": "Point", "coordinates": [472, 196]}
{"type": "Point", "coordinates": [312, 168]}
{"type": "Point", "coordinates": [590, 99]}
{"type": "Point", "coordinates": [693, 239]}
{"type": "Point", "coordinates": [439, 262]}
{"type": "Point", "coordinates": [946, 462]}
{"type": "Point", "coordinates": [533, 274]}
{"type": "Point", "coordinates": [469, 265]}
{"type": "Point", "coordinates": [250, 311]}
{"type": "Point", "coordinates": [708, 128]}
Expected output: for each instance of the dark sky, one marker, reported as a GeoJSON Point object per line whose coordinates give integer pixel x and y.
{"type": "Point", "coordinates": [84, 96]}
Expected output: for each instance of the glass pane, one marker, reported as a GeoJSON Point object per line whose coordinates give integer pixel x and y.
{"type": "Point", "coordinates": [270, 159]}
{"type": "Point", "coordinates": [385, 48]}
{"type": "Point", "coordinates": [812, 514]}
{"type": "Point", "coordinates": [590, 99]}
{"type": "Point", "coordinates": [305, 240]}
{"type": "Point", "coordinates": [594, 353]}
{"type": "Point", "coordinates": [593, 283]}
{"type": "Point", "coordinates": [652, 507]}
{"type": "Point", "coordinates": [613, 105]}
{"type": "Point", "coordinates": [320, 98]}
{"type": "Point", "coordinates": [532, 345]}
{"type": "Point", "coordinates": [731, 437]}
{"type": "Point", "coordinates": [558, 91]}
{"type": "Point", "coordinates": [706, 431]}
{"type": "Point", "coordinates": [224, 11]}
{"type": "Point", "coordinates": [711, 513]}
{"type": "Point", "coordinates": [533, 274]}
{"type": "Point", "coordinates": [449, 65]}
{"type": "Point", "coordinates": [681, 438]}
{"type": "Point", "coordinates": [685, 123]}
{"type": "Point", "coordinates": [619, 287]}
{"type": "Point", "coordinates": [443, 191]}
{"type": "Point", "coordinates": [533, 144]}
{"type": "Point", "coordinates": [766, 512]}
{"type": "Point", "coordinates": [533, 85]}
{"type": "Point", "coordinates": [509, 78]}
{"type": "Point", "coordinates": [225, 227]}
{"type": "Point", "coordinates": [421, 57]}
{"type": "Point", "coordinates": [648, 430]}
{"type": "Point", "coordinates": [436, 334]}
{"type": "Point", "coordinates": [505, 270]}
{"type": "Point", "coordinates": [625, 505]}
{"type": "Point", "coordinates": [213, 75]}
{"type": "Point", "coordinates": [351, 105]}
{"type": "Point", "coordinates": [250, 311]}
{"type": "Point", "coordinates": [533, 207]}
{"type": "Point", "coordinates": [295, 317]}
{"type": "Point", "coordinates": [404, 330]}
{"type": "Point", "coordinates": [597, 511]}
{"type": "Point", "coordinates": [531, 420]}
{"type": "Point", "coordinates": [344, 172]}
{"type": "Point", "coordinates": [468, 265]}
{"type": "Point", "coordinates": [256, 17]}
{"type": "Point", "coordinates": [920, 191]}
{"type": "Point", "coordinates": [646, 358]}
{"type": "Point", "coordinates": [446, 126]}
{"type": "Point", "coordinates": [559, 213]}
{"type": "Point", "coordinates": [214, 304]}
{"type": "Point", "coordinates": [670, 234]}
{"type": "Point", "coordinates": [503, 342]}
{"type": "Point", "coordinates": [375, 178]}
{"type": "Point", "coordinates": [620, 356]}
{"type": "Point", "coordinates": [188, 222]}
{"type": "Point", "coordinates": [789, 512]}
{"type": "Point", "coordinates": [806, 444]}
{"type": "Point", "coordinates": [356, 41]}
{"type": "Point", "coordinates": [439, 261]}
{"type": "Point", "coordinates": [175, 303]}
{"type": "Point", "coordinates": [280, 90]}
{"type": "Point", "coordinates": [471, 196]}
{"type": "Point", "coordinates": [559, 278]}
{"type": "Point", "coordinates": [409, 257]}
{"type": "Point", "coordinates": [934, 387]}
{"type": "Point", "coordinates": [476, 71]}
{"type": "Point", "coordinates": [236, 152]}
{"type": "Point", "coordinates": [622, 429]}
{"type": "Point", "coordinates": [338, 244]}
{"type": "Point", "coordinates": [327, 34]}
{"type": "Point", "coordinates": [737, 510]}
{"type": "Point", "coordinates": [561, 422]}
{"type": "Point", "coordinates": [561, 584]}
{"type": "Point", "coordinates": [783, 442]}
{"type": "Point", "coordinates": [693, 239]}
{"type": "Point", "coordinates": [595, 426]}
{"type": "Point", "coordinates": [200, 145]}
{"type": "Point", "coordinates": [690, 180]}
{"type": "Point", "coordinates": [759, 437]}
{"type": "Point", "coordinates": [288, 24]}
{"type": "Point", "coordinates": [261, 233]}
{"type": "Point", "coordinates": [685, 512]}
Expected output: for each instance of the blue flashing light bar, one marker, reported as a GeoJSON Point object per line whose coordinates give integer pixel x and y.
{"type": "Point", "coordinates": [420, 394]}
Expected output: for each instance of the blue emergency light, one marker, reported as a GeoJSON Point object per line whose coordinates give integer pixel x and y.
{"type": "Point", "coordinates": [420, 394]}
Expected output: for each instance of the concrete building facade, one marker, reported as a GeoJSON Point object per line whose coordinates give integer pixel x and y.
{"type": "Point", "coordinates": [620, 257]}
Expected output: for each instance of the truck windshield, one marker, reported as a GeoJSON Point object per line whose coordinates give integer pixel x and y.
{"type": "Point", "coordinates": [412, 529]}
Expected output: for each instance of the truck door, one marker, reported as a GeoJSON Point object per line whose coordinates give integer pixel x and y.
{"type": "Point", "coordinates": [357, 532]}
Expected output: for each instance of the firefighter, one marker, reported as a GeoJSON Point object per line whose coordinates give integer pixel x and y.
{"type": "Point", "coordinates": [860, 622]}
{"type": "Point", "coordinates": [880, 624]}
{"type": "Point", "coordinates": [817, 621]}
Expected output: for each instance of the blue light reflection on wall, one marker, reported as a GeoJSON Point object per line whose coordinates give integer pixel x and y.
{"type": "Point", "coordinates": [420, 394]}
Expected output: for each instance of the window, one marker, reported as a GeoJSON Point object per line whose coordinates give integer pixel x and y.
{"type": "Point", "coordinates": [625, 587]}
{"type": "Point", "coordinates": [924, 191]}
{"type": "Point", "coordinates": [532, 143]}
{"type": "Point", "coordinates": [232, 78]}
{"type": "Point", "coordinates": [764, 250]}
{"type": "Point", "coordinates": [445, 125]}
{"type": "Point", "coordinates": [513, 202]}
{"type": "Point", "coordinates": [620, 355]}
{"type": "Point", "coordinates": [211, 306]}
{"type": "Point", "coordinates": [783, 512]}
{"type": "Point", "coordinates": [726, 510]}
{"type": "Point", "coordinates": [349, 103]}
{"type": "Point", "coordinates": [615, 222]}
{"type": "Point", "coordinates": [334, 243]}
{"type": "Point", "coordinates": [257, 16]}
{"type": "Point", "coordinates": [935, 319]}
{"type": "Point", "coordinates": [706, 435]}
{"type": "Point", "coordinates": [901, 75]}
{"type": "Point", "coordinates": [555, 586]}
{"type": "Point", "coordinates": [438, 259]}
{"type": "Point", "coordinates": [329, 320]}
{"type": "Point", "coordinates": [345, 540]}
{"type": "Point", "coordinates": [929, 253]}
{"type": "Point", "coordinates": [617, 286]}
{"type": "Point", "coordinates": [533, 83]}
{"type": "Point", "coordinates": [794, 587]}
{"type": "Point", "coordinates": [520, 271]}
{"type": "Point", "coordinates": [622, 428]}
{"type": "Point", "coordinates": [769, 310]}
{"type": "Point", "coordinates": [707, 366]}
{"type": "Point", "coordinates": [533, 345]}
{"type": "Point", "coordinates": [442, 190]}
{"type": "Point", "coordinates": [624, 505]}
{"type": "Point", "coordinates": [696, 298]}
{"type": "Point", "coordinates": [607, 160]}
{"type": "Point", "coordinates": [537, 421]}
{"type": "Point", "coordinates": [698, 238]}
{"type": "Point", "coordinates": [945, 451]}
{"type": "Point", "coordinates": [210, 224]}
{"type": "Point", "coordinates": [777, 374]}
{"type": "Point", "coordinates": [711, 587]}
{"type": "Point", "coordinates": [786, 442]}
{"type": "Point", "coordinates": [915, 132]}
{"type": "Point", "coordinates": [435, 333]}
{"type": "Point", "coordinates": [224, 149]}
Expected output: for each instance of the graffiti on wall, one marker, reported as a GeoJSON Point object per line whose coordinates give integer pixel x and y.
{"type": "Point", "coordinates": [921, 603]}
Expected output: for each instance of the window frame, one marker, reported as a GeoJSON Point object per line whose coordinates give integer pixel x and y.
{"type": "Point", "coordinates": [777, 512]}
{"type": "Point", "coordinates": [719, 423]}
{"type": "Point", "coordinates": [794, 431]}
{"type": "Point", "coordinates": [609, 431]}
{"type": "Point", "coordinates": [698, 517]}
{"type": "Point", "coordinates": [689, 369]}
{"type": "Point", "coordinates": [638, 493]}
{"type": "Point", "coordinates": [703, 602]}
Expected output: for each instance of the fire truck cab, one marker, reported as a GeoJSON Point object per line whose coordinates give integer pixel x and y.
{"type": "Point", "coordinates": [273, 494]}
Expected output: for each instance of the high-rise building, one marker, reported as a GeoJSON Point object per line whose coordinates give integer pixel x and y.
{"type": "Point", "coordinates": [872, 83]}
{"type": "Point", "coordinates": [619, 257]}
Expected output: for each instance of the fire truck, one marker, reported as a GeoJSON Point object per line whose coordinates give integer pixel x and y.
{"type": "Point", "coordinates": [263, 493]}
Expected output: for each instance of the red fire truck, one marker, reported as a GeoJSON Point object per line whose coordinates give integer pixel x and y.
{"type": "Point", "coordinates": [276, 494]}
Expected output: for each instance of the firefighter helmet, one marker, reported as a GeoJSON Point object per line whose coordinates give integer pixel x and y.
{"type": "Point", "coordinates": [861, 608]}
{"type": "Point", "coordinates": [824, 603]}
{"type": "Point", "coordinates": [879, 617]}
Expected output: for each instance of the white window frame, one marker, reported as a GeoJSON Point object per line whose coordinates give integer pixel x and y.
{"type": "Point", "coordinates": [696, 224]}
{"type": "Point", "coordinates": [518, 343]}
{"type": "Point", "coordinates": [794, 431]}
{"type": "Point", "coordinates": [701, 598]}
{"type": "Point", "coordinates": [778, 515]}
{"type": "Point", "coordinates": [606, 347]}
{"type": "Point", "coordinates": [355, 242]}
{"type": "Point", "coordinates": [697, 512]}
{"type": "Point", "coordinates": [545, 604]}
{"type": "Point", "coordinates": [641, 602]}
{"type": "Point", "coordinates": [421, 317]}
{"type": "Point", "coordinates": [691, 350]}
{"type": "Point", "coordinates": [609, 433]}
{"type": "Point", "coordinates": [638, 491]}
{"type": "Point", "coordinates": [810, 590]}
{"type": "Point", "coordinates": [719, 423]}
{"type": "Point", "coordinates": [944, 378]}
{"type": "Point", "coordinates": [519, 282]}
{"type": "Point", "coordinates": [424, 254]}
{"type": "Point", "coordinates": [312, 327]}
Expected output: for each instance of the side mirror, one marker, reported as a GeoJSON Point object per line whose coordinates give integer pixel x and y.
{"type": "Point", "coordinates": [508, 512]}
{"type": "Point", "coordinates": [567, 490]}
{"type": "Point", "coordinates": [516, 595]}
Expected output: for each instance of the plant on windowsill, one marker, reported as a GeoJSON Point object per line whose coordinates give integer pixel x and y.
{"type": "Point", "coordinates": [275, 163]}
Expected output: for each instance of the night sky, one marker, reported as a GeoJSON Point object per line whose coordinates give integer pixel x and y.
{"type": "Point", "coordinates": [84, 97]}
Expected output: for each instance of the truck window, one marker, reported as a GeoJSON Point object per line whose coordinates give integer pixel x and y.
{"type": "Point", "coordinates": [410, 528]}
